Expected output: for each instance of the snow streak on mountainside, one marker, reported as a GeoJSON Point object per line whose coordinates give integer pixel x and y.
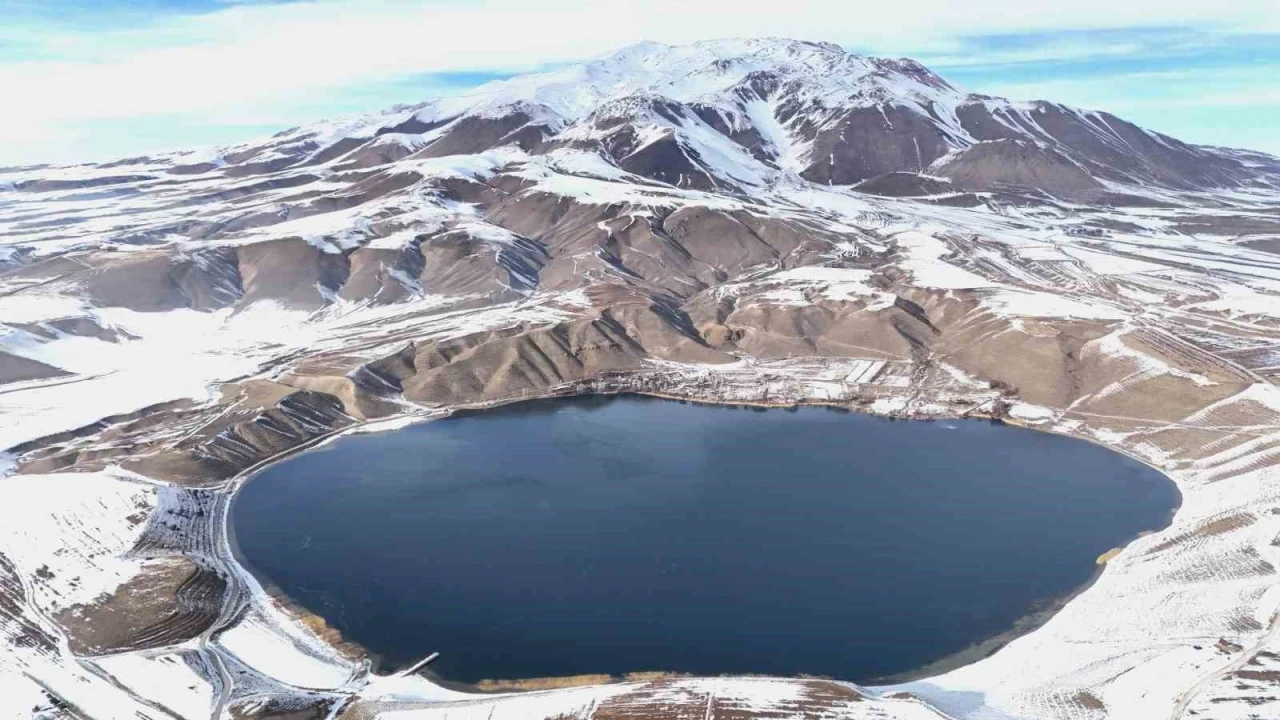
{"type": "Point", "coordinates": [750, 221]}
{"type": "Point", "coordinates": [735, 112]}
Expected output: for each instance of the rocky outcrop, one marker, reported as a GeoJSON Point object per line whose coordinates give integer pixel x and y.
{"type": "Point", "coordinates": [904, 184]}
{"type": "Point", "coordinates": [1014, 164]}
{"type": "Point", "coordinates": [868, 142]}
{"type": "Point", "coordinates": [15, 368]}
{"type": "Point", "coordinates": [292, 272]}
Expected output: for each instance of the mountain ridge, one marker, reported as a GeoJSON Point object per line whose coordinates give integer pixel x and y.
{"type": "Point", "coordinates": [744, 113]}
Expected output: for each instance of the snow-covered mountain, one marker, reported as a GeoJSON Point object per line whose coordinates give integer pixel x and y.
{"type": "Point", "coordinates": [754, 119]}
{"type": "Point", "coordinates": [763, 221]}
{"type": "Point", "coordinates": [740, 113]}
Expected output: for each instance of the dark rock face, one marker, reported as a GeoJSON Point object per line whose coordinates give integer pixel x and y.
{"type": "Point", "coordinates": [143, 282]}
{"type": "Point", "coordinates": [15, 368]}
{"type": "Point", "coordinates": [1002, 164]}
{"type": "Point", "coordinates": [904, 184]}
{"type": "Point", "coordinates": [666, 160]}
{"type": "Point", "coordinates": [743, 134]}
{"type": "Point", "coordinates": [379, 275]}
{"type": "Point", "coordinates": [1105, 145]}
{"type": "Point", "coordinates": [334, 151]}
{"type": "Point", "coordinates": [622, 131]}
{"type": "Point", "coordinates": [210, 279]}
{"type": "Point", "coordinates": [372, 154]}
{"type": "Point", "coordinates": [291, 271]}
{"type": "Point", "coordinates": [414, 126]}
{"type": "Point", "coordinates": [873, 141]}
{"type": "Point", "coordinates": [476, 134]}
{"type": "Point", "coordinates": [1114, 147]}
{"type": "Point", "coordinates": [457, 262]}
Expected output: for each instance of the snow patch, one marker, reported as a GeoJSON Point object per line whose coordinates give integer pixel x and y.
{"type": "Point", "coordinates": [73, 530]}
{"type": "Point", "coordinates": [1031, 304]}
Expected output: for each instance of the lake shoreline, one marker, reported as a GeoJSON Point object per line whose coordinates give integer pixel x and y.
{"type": "Point", "coordinates": [978, 650]}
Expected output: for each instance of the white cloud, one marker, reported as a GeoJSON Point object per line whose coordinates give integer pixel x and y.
{"type": "Point", "coordinates": [244, 60]}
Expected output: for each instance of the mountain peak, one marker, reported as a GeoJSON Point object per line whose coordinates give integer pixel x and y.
{"type": "Point", "coordinates": [703, 71]}
{"type": "Point", "coordinates": [742, 113]}
{"type": "Point", "coordinates": [729, 47]}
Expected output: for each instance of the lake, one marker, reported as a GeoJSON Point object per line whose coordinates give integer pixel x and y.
{"type": "Point", "coordinates": [608, 535]}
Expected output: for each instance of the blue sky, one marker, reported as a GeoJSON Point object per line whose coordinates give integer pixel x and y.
{"type": "Point", "coordinates": [99, 79]}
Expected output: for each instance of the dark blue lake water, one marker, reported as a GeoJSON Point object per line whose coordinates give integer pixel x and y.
{"type": "Point", "coordinates": [611, 535]}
